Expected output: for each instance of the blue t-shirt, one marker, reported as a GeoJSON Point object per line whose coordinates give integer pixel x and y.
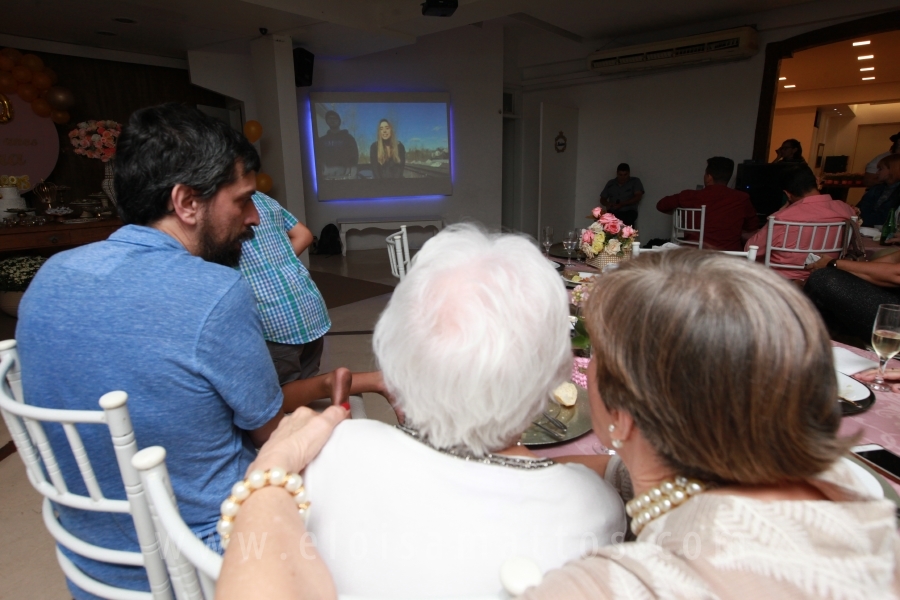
{"type": "Point", "coordinates": [182, 337]}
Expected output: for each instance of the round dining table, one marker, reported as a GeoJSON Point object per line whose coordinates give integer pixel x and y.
{"type": "Point", "coordinates": [878, 425]}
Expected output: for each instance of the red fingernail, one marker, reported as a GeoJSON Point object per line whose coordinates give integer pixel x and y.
{"type": "Point", "coordinates": [345, 406]}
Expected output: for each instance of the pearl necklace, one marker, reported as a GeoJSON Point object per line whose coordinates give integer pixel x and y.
{"type": "Point", "coordinates": [661, 499]}
{"type": "Point", "coordinates": [516, 462]}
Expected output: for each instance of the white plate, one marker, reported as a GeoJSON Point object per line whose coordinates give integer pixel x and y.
{"type": "Point", "coordinates": [869, 482]}
{"type": "Point", "coordinates": [583, 275]}
{"type": "Point", "coordinates": [851, 389]}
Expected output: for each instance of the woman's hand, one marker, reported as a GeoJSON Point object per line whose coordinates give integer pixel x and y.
{"type": "Point", "coordinates": [298, 439]}
{"type": "Point", "coordinates": [819, 264]}
{"type": "Point", "coordinates": [890, 375]}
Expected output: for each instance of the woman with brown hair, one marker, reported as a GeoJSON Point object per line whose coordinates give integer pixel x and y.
{"type": "Point", "coordinates": [386, 154]}
{"type": "Point", "coordinates": [720, 401]}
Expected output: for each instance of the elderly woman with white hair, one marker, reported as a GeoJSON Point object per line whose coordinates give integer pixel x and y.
{"type": "Point", "coordinates": [471, 345]}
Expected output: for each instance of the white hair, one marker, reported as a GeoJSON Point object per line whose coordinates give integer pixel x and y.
{"type": "Point", "coordinates": [475, 338]}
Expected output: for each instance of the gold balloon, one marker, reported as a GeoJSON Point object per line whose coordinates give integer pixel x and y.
{"type": "Point", "coordinates": [6, 63]}
{"type": "Point", "coordinates": [60, 98]}
{"type": "Point", "coordinates": [60, 117]}
{"type": "Point", "coordinates": [13, 54]}
{"type": "Point", "coordinates": [263, 182]}
{"type": "Point", "coordinates": [41, 108]}
{"type": "Point", "coordinates": [7, 83]}
{"type": "Point", "coordinates": [41, 81]}
{"type": "Point", "coordinates": [22, 74]}
{"type": "Point", "coordinates": [253, 130]}
{"type": "Point", "coordinates": [32, 62]}
{"type": "Point", "coordinates": [27, 92]}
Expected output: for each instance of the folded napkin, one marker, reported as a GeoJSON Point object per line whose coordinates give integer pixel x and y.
{"type": "Point", "coordinates": [848, 363]}
{"type": "Point", "coordinates": [869, 232]}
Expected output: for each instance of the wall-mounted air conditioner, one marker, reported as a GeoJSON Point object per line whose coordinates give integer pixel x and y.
{"type": "Point", "coordinates": [730, 44]}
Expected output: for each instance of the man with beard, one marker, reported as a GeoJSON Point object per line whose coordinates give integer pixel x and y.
{"type": "Point", "coordinates": [158, 310]}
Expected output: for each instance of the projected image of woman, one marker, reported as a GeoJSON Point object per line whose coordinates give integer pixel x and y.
{"type": "Point", "coordinates": [387, 155]}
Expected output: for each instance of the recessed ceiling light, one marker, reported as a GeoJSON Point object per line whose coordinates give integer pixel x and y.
{"type": "Point", "coordinates": [790, 86]}
{"type": "Point", "coordinates": [782, 78]}
{"type": "Point", "coordinates": [867, 69]}
{"type": "Point", "coordinates": [866, 57]}
{"type": "Point", "coordinates": [104, 33]}
{"type": "Point", "coordinates": [124, 20]}
{"type": "Point", "coordinates": [867, 78]}
{"type": "Point", "coordinates": [865, 43]}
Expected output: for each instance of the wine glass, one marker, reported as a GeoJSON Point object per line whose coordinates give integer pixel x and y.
{"type": "Point", "coordinates": [547, 239]}
{"type": "Point", "coordinates": [885, 341]}
{"type": "Point", "coordinates": [569, 246]}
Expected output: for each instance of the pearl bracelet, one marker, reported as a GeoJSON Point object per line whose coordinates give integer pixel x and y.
{"type": "Point", "coordinates": [276, 476]}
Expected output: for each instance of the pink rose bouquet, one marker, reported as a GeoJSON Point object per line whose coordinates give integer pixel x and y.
{"type": "Point", "coordinates": [96, 139]}
{"type": "Point", "coordinates": [606, 234]}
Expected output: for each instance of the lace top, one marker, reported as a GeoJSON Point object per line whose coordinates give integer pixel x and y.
{"type": "Point", "coordinates": [732, 547]}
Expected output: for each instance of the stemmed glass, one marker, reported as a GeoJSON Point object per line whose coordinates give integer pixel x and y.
{"type": "Point", "coordinates": [569, 245]}
{"type": "Point", "coordinates": [547, 239]}
{"type": "Point", "coordinates": [885, 341]}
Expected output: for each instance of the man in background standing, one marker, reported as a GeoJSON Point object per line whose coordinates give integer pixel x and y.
{"type": "Point", "coordinates": [622, 195]}
{"type": "Point", "coordinates": [729, 212]}
{"type": "Point", "coordinates": [294, 317]}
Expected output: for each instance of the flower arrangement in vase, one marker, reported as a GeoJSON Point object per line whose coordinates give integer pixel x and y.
{"type": "Point", "coordinates": [97, 139]}
{"type": "Point", "coordinates": [608, 240]}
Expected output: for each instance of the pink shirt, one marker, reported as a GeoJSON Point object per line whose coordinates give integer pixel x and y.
{"type": "Point", "coordinates": [812, 209]}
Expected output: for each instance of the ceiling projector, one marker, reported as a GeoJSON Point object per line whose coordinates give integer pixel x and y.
{"type": "Point", "coordinates": [439, 8]}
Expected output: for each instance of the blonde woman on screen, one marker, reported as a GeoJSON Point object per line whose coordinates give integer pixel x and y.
{"type": "Point", "coordinates": [387, 155]}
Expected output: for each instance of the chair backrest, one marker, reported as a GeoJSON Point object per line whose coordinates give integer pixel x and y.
{"type": "Point", "coordinates": [689, 220]}
{"type": "Point", "coordinates": [46, 476]}
{"type": "Point", "coordinates": [193, 567]}
{"type": "Point", "coordinates": [749, 254]}
{"type": "Point", "coordinates": [398, 252]}
{"type": "Point", "coordinates": [805, 238]}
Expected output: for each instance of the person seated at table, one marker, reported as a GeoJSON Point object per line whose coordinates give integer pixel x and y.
{"type": "Point", "coordinates": [159, 311]}
{"type": "Point", "coordinates": [720, 400]}
{"type": "Point", "coordinates": [729, 212]}
{"type": "Point", "coordinates": [848, 293]}
{"type": "Point", "coordinates": [790, 151]}
{"type": "Point", "coordinates": [805, 205]}
{"type": "Point", "coordinates": [622, 195]}
{"type": "Point", "coordinates": [440, 503]}
{"type": "Point", "coordinates": [870, 177]}
{"type": "Point", "coordinates": [879, 200]}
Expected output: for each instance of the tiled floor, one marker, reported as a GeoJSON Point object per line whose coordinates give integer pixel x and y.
{"type": "Point", "coordinates": [28, 567]}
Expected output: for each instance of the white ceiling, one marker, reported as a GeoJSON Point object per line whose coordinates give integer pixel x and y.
{"type": "Point", "coordinates": [340, 28]}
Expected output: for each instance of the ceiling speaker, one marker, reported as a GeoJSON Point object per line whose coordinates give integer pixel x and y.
{"type": "Point", "coordinates": [439, 8]}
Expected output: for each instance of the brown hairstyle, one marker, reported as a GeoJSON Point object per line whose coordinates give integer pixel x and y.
{"type": "Point", "coordinates": [725, 367]}
{"type": "Point", "coordinates": [392, 144]}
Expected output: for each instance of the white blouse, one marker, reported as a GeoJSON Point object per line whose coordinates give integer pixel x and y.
{"type": "Point", "coordinates": [395, 518]}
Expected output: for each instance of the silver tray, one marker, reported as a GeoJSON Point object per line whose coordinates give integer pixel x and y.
{"type": "Point", "coordinates": [577, 419]}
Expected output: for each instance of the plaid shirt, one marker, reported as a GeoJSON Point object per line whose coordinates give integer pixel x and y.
{"type": "Point", "coordinates": [290, 304]}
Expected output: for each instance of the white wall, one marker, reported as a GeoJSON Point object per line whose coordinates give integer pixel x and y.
{"type": "Point", "coordinates": [842, 131]}
{"type": "Point", "coordinates": [466, 62]}
{"type": "Point", "coordinates": [666, 123]}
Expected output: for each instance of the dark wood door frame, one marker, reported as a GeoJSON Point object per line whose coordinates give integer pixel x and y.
{"type": "Point", "coordinates": [775, 51]}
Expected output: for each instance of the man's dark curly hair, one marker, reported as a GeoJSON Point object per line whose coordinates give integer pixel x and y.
{"type": "Point", "coordinates": [170, 144]}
